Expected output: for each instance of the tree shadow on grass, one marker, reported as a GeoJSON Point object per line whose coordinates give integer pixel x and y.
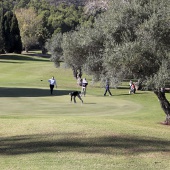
{"type": "Point", "coordinates": [38, 54]}
{"type": "Point", "coordinates": [70, 142]}
{"type": "Point", "coordinates": [29, 92]}
{"type": "Point", "coordinates": [13, 62]}
{"type": "Point", "coordinates": [127, 94]}
{"type": "Point", "coordinates": [21, 58]}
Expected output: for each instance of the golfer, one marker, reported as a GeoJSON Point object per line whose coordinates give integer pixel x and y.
{"type": "Point", "coordinates": [75, 94]}
{"type": "Point", "coordinates": [52, 82]}
{"type": "Point", "coordinates": [107, 89]}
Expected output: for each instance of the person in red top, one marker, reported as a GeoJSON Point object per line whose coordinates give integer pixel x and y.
{"type": "Point", "coordinates": [132, 89]}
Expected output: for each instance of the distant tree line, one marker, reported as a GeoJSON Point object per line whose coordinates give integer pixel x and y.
{"type": "Point", "coordinates": [40, 20]}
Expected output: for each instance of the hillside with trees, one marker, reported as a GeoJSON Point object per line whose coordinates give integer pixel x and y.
{"type": "Point", "coordinates": [39, 20]}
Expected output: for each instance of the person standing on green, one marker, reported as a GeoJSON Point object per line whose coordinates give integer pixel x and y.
{"type": "Point", "coordinates": [52, 82]}
{"type": "Point", "coordinates": [107, 89]}
{"type": "Point", "coordinates": [84, 87]}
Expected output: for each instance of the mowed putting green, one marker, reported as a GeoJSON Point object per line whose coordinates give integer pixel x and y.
{"type": "Point", "coordinates": [60, 105]}
{"type": "Point", "coordinates": [40, 131]}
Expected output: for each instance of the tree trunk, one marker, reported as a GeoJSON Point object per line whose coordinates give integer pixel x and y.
{"type": "Point", "coordinates": [77, 72]}
{"type": "Point", "coordinates": [44, 51]}
{"type": "Point", "coordinates": [165, 105]}
{"type": "Point", "coordinates": [26, 49]}
{"type": "Point", "coordinates": [74, 72]}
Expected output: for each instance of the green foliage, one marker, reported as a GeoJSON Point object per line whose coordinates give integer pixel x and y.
{"type": "Point", "coordinates": [7, 34]}
{"type": "Point", "coordinates": [1, 34]}
{"type": "Point", "coordinates": [21, 3]}
{"type": "Point", "coordinates": [55, 19]}
{"type": "Point", "coordinates": [31, 27]}
{"type": "Point", "coordinates": [65, 18]}
{"type": "Point", "coordinates": [8, 5]}
{"type": "Point", "coordinates": [53, 45]}
{"type": "Point", "coordinates": [81, 48]}
{"type": "Point", "coordinates": [146, 52]}
{"type": "Point", "coordinates": [130, 39]}
{"type": "Point", "coordinates": [160, 78]}
{"type": "Point", "coordinates": [12, 37]}
{"type": "Point", "coordinates": [15, 34]}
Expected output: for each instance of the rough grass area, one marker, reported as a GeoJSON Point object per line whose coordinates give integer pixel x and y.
{"type": "Point", "coordinates": [40, 131]}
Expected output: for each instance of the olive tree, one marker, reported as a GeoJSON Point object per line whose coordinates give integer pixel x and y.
{"type": "Point", "coordinates": [54, 46]}
{"type": "Point", "coordinates": [140, 46]}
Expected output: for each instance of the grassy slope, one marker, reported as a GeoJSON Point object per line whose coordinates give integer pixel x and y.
{"type": "Point", "coordinates": [39, 131]}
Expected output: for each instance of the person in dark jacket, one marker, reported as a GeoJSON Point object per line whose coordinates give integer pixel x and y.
{"type": "Point", "coordinates": [107, 89]}
{"type": "Point", "coordinates": [75, 94]}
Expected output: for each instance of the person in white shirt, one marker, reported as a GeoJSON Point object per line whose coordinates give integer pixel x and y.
{"type": "Point", "coordinates": [84, 86]}
{"type": "Point", "coordinates": [52, 82]}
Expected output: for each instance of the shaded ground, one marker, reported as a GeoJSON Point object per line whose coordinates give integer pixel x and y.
{"type": "Point", "coordinates": [24, 57]}
{"type": "Point", "coordinates": [29, 92]}
{"type": "Point", "coordinates": [69, 142]}
{"type": "Point", "coordinates": [37, 54]}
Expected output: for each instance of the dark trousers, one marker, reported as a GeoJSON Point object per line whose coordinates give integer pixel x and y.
{"type": "Point", "coordinates": [51, 88]}
{"type": "Point", "coordinates": [75, 98]}
{"type": "Point", "coordinates": [107, 90]}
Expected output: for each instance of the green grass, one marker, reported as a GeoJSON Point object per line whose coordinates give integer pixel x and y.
{"type": "Point", "coordinates": [39, 131]}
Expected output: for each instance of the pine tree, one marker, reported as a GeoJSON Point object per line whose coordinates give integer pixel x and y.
{"type": "Point", "coordinates": [1, 33]}
{"type": "Point", "coordinates": [11, 33]}
{"type": "Point", "coordinates": [7, 35]}
{"type": "Point", "coordinates": [15, 34]}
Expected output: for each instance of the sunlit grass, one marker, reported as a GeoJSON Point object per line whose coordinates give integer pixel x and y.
{"type": "Point", "coordinates": [40, 131]}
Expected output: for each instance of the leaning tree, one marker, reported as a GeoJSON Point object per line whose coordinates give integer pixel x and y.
{"type": "Point", "coordinates": [158, 82]}
{"type": "Point", "coordinates": [165, 105]}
